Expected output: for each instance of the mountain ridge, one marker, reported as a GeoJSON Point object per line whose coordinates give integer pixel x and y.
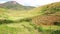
{"type": "Point", "coordinates": [15, 6]}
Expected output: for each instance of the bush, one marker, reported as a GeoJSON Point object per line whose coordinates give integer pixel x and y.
{"type": "Point", "coordinates": [40, 29]}
{"type": "Point", "coordinates": [57, 23]}
{"type": "Point", "coordinates": [56, 32]}
{"type": "Point", "coordinates": [26, 19]}
{"type": "Point", "coordinates": [6, 21]}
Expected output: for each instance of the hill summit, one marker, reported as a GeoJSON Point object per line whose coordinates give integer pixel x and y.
{"type": "Point", "coordinates": [15, 6]}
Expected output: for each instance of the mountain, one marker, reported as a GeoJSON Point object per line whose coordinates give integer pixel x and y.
{"type": "Point", "coordinates": [48, 14]}
{"type": "Point", "coordinates": [15, 6]}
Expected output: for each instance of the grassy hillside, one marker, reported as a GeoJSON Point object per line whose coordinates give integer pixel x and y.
{"type": "Point", "coordinates": [15, 22]}
{"type": "Point", "coordinates": [24, 22]}
{"type": "Point", "coordinates": [49, 14]}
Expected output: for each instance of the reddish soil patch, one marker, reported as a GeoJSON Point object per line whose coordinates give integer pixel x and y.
{"type": "Point", "coordinates": [46, 20]}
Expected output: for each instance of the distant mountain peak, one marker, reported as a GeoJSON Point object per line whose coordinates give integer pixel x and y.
{"type": "Point", "coordinates": [15, 6]}
{"type": "Point", "coordinates": [12, 2]}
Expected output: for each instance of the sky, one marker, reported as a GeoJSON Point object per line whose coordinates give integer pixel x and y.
{"type": "Point", "coordinates": [32, 2]}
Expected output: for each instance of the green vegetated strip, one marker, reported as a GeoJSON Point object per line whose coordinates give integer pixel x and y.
{"type": "Point", "coordinates": [7, 30]}
{"type": "Point", "coordinates": [18, 28]}
{"type": "Point", "coordinates": [23, 27]}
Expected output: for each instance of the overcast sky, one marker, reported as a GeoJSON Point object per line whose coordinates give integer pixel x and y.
{"type": "Point", "coordinates": [32, 2]}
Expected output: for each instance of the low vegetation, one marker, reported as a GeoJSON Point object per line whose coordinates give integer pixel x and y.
{"type": "Point", "coordinates": [41, 20]}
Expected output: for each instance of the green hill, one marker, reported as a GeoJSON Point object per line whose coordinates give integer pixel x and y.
{"type": "Point", "coordinates": [15, 6]}
{"type": "Point", "coordinates": [49, 14]}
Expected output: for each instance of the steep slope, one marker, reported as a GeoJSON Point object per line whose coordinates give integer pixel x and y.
{"type": "Point", "coordinates": [14, 5]}
{"type": "Point", "coordinates": [49, 14]}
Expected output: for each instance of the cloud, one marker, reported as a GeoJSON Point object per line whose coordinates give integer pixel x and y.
{"type": "Point", "coordinates": [36, 2]}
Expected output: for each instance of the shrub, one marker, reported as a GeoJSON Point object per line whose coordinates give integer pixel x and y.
{"type": "Point", "coordinates": [57, 23]}
{"type": "Point", "coordinates": [56, 32]}
{"type": "Point", "coordinates": [26, 19]}
{"type": "Point", "coordinates": [40, 29]}
{"type": "Point", "coordinates": [6, 21]}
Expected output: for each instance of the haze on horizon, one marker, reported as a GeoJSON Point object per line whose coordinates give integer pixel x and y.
{"type": "Point", "coordinates": [32, 2]}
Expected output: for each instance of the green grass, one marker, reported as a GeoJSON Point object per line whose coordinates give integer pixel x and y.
{"type": "Point", "coordinates": [56, 32]}
{"type": "Point", "coordinates": [21, 25]}
{"type": "Point", "coordinates": [18, 28]}
{"type": "Point", "coordinates": [26, 28]}
{"type": "Point", "coordinates": [19, 22]}
{"type": "Point", "coordinates": [15, 14]}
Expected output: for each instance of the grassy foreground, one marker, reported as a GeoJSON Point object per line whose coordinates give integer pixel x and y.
{"type": "Point", "coordinates": [27, 28]}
